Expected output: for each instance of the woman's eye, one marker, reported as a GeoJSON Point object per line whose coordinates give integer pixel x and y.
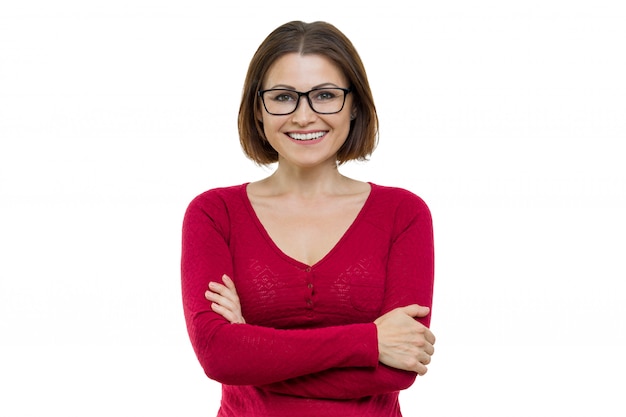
{"type": "Point", "coordinates": [284, 97]}
{"type": "Point", "coordinates": [325, 95]}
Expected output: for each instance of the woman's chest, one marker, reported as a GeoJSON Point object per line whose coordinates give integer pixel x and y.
{"type": "Point", "coordinates": [287, 295]}
{"type": "Point", "coordinates": [308, 231]}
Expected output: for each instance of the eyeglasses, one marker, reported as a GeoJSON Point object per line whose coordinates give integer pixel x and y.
{"type": "Point", "coordinates": [282, 101]}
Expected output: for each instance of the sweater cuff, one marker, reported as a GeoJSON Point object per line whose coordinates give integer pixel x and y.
{"type": "Point", "coordinates": [367, 346]}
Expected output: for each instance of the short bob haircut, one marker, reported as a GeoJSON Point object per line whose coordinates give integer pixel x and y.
{"type": "Point", "coordinates": [317, 38]}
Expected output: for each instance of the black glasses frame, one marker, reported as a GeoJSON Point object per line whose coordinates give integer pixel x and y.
{"type": "Point", "coordinates": [300, 94]}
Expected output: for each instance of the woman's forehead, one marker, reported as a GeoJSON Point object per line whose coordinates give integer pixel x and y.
{"type": "Point", "coordinates": [299, 71]}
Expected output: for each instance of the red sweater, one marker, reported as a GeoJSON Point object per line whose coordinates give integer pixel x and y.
{"type": "Point", "coordinates": [309, 346]}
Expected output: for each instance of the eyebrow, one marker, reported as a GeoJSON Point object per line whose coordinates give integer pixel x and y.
{"type": "Point", "coordinates": [289, 87]}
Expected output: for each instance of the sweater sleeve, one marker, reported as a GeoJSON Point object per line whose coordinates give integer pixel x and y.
{"type": "Point", "coordinates": [242, 354]}
{"type": "Point", "coordinates": [410, 278]}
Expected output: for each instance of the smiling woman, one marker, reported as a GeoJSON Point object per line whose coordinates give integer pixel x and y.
{"type": "Point", "coordinates": [308, 290]}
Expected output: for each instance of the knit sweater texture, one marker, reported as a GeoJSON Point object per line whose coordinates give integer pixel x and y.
{"type": "Point", "coordinates": [309, 346]}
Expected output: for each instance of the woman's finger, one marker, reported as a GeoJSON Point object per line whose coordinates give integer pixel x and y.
{"type": "Point", "coordinates": [228, 290]}
{"type": "Point", "coordinates": [229, 283]}
{"type": "Point", "coordinates": [224, 312]}
{"type": "Point", "coordinates": [220, 299]}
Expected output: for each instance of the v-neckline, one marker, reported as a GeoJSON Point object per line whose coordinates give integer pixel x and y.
{"type": "Point", "coordinates": [282, 253]}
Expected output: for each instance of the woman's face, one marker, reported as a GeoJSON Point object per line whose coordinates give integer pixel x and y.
{"type": "Point", "coordinates": [305, 138]}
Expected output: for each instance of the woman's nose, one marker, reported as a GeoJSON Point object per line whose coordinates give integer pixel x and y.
{"type": "Point", "coordinates": [304, 114]}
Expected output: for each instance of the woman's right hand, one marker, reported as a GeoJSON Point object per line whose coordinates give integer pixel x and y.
{"type": "Point", "coordinates": [403, 342]}
{"type": "Point", "coordinates": [225, 301]}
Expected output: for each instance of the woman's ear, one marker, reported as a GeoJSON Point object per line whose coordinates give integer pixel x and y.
{"type": "Point", "coordinates": [353, 113]}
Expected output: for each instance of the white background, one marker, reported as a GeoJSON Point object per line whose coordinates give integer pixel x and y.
{"type": "Point", "coordinates": [508, 118]}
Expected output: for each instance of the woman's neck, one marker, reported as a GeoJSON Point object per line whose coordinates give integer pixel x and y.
{"type": "Point", "coordinates": [307, 183]}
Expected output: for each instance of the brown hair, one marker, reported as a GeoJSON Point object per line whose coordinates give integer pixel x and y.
{"type": "Point", "coordinates": [318, 38]}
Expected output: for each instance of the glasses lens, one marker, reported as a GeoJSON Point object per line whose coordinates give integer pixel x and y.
{"type": "Point", "coordinates": [280, 101]}
{"type": "Point", "coordinates": [326, 100]}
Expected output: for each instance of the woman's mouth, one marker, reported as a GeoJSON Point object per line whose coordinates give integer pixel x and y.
{"type": "Point", "coordinates": [305, 137]}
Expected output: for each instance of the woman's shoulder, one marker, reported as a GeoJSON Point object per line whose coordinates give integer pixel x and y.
{"type": "Point", "coordinates": [398, 207]}
{"type": "Point", "coordinates": [219, 196]}
{"type": "Point", "coordinates": [397, 196]}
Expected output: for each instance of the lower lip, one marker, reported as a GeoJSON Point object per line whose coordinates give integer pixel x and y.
{"type": "Point", "coordinates": [307, 142]}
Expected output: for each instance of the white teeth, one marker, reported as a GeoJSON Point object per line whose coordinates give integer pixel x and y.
{"type": "Point", "coordinates": [306, 136]}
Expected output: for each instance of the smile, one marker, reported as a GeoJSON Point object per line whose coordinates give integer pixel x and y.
{"type": "Point", "coordinates": [307, 136]}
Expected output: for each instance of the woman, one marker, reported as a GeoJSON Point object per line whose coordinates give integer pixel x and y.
{"type": "Point", "coordinates": [308, 292]}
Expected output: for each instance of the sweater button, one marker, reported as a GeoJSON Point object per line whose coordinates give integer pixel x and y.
{"type": "Point", "coordinates": [307, 269]}
{"type": "Point", "coordinates": [309, 286]}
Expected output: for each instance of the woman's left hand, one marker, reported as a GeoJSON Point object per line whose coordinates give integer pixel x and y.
{"type": "Point", "coordinates": [225, 301]}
